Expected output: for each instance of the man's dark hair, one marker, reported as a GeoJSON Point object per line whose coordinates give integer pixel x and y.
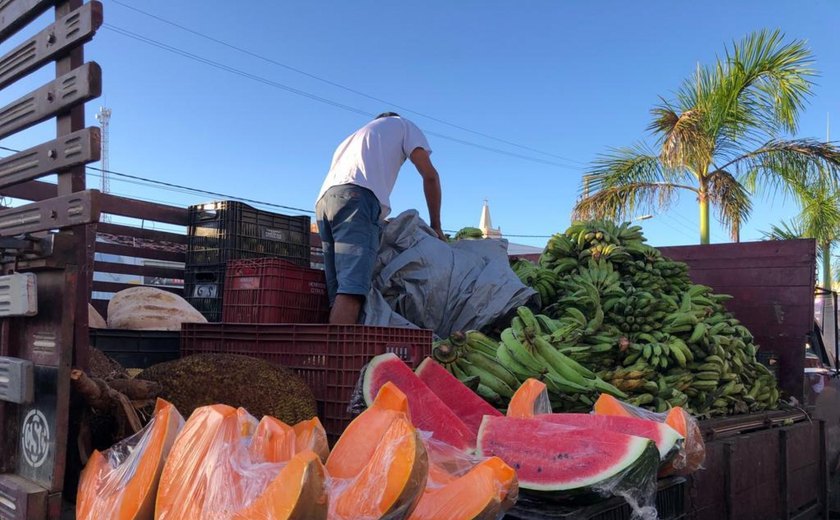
{"type": "Point", "coordinates": [387, 114]}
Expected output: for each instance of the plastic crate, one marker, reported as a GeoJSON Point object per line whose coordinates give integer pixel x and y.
{"type": "Point", "coordinates": [670, 505]}
{"type": "Point", "coordinates": [204, 290]}
{"type": "Point", "coordinates": [328, 357]}
{"type": "Point", "coordinates": [137, 348]}
{"type": "Point", "coordinates": [272, 290]}
{"type": "Point", "coordinates": [230, 230]}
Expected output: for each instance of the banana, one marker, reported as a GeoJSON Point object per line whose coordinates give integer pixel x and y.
{"type": "Point", "coordinates": [489, 395]}
{"type": "Point", "coordinates": [487, 379]}
{"type": "Point", "coordinates": [522, 354]}
{"type": "Point", "coordinates": [493, 367]}
{"type": "Point", "coordinates": [479, 341]}
{"type": "Point", "coordinates": [530, 324]}
{"type": "Point", "coordinates": [698, 333]}
{"type": "Point", "coordinates": [559, 362]}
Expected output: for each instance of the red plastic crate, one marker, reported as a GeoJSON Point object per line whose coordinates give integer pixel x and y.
{"type": "Point", "coordinates": [271, 290]}
{"type": "Point", "coordinates": [328, 357]}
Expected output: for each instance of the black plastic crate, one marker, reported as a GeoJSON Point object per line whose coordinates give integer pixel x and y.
{"type": "Point", "coordinates": [230, 230]}
{"type": "Point", "coordinates": [204, 289]}
{"type": "Point", "coordinates": [137, 348]}
{"type": "Point", "coordinates": [670, 505]}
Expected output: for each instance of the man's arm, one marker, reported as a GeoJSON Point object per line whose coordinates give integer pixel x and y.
{"type": "Point", "coordinates": [431, 187]}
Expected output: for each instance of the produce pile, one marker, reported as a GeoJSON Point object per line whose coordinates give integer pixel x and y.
{"type": "Point", "coordinates": [564, 457]}
{"type": "Point", "coordinates": [223, 464]}
{"type": "Point", "coordinates": [618, 318]}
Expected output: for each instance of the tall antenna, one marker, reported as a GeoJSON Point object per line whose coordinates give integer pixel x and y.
{"type": "Point", "coordinates": [104, 118]}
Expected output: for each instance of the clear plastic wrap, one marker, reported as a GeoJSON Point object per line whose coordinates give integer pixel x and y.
{"type": "Point", "coordinates": [225, 465]}
{"type": "Point", "coordinates": [463, 486]}
{"type": "Point", "coordinates": [122, 482]}
{"type": "Point", "coordinates": [692, 453]}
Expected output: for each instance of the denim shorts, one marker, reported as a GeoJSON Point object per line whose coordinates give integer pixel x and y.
{"type": "Point", "coordinates": [348, 222]}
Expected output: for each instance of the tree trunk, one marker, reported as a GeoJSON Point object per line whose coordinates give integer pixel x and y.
{"type": "Point", "coordinates": [826, 265]}
{"type": "Point", "coordinates": [703, 200]}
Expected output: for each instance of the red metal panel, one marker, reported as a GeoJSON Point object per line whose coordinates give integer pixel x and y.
{"type": "Point", "coordinates": [773, 287]}
{"type": "Point", "coordinates": [754, 466]}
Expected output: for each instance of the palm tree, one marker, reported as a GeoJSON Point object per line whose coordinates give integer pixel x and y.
{"type": "Point", "coordinates": [819, 218]}
{"type": "Point", "coordinates": [720, 139]}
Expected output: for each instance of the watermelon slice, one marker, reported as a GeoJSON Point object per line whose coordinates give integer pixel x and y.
{"type": "Point", "coordinates": [665, 437]}
{"type": "Point", "coordinates": [555, 457]}
{"type": "Point", "coordinates": [428, 412]}
{"type": "Point", "coordinates": [464, 402]}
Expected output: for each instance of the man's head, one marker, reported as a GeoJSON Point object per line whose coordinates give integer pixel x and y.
{"type": "Point", "coordinates": [387, 114]}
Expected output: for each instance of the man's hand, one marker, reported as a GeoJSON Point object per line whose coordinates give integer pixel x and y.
{"type": "Point", "coordinates": [441, 235]}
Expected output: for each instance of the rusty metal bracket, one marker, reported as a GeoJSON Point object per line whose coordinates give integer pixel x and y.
{"type": "Point", "coordinates": [56, 40]}
{"type": "Point", "coordinates": [16, 14]}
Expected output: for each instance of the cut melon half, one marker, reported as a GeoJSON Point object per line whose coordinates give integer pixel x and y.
{"type": "Point", "coordinates": [392, 481]}
{"type": "Point", "coordinates": [555, 457]}
{"type": "Point", "coordinates": [354, 449]}
{"type": "Point", "coordinates": [297, 493]}
{"type": "Point", "coordinates": [310, 435]}
{"type": "Point", "coordinates": [530, 399]}
{"type": "Point", "coordinates": [273, 441]}
{"type": "Point", "coordinates": [121, 484]}
{"type": "Point", "coordinates": [478, 495]}
{"type": "Point", "coordinates": [609, 405]}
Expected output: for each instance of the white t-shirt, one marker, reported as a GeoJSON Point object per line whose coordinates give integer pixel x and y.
{"type": "Point", "coordinates": [373, 155]}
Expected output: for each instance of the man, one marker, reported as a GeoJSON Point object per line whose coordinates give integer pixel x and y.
{"type": "Point", "coordinates": [355, 200]}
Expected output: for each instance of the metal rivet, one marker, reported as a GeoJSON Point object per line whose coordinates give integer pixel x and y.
{"type": "Point", "coordinates": [51, 39]}
{"type": "Point", "coordinates": [51, 154]}
{"type": "Point", "coordinates": [50, 97]}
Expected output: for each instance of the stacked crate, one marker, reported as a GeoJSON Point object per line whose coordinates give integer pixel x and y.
{"type": "Point", "coordinates": [228, 230]}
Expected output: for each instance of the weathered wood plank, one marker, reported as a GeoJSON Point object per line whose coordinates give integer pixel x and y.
{"type": "Point", "coordinates": [70, 90]}
{"type": "Point", "coordinates": [72, 30]}
{"type": "Point", "coordinates": [16, 14]}
{"type": "Point", "coordinates": [70, 210]}
{"type": "Point", "coordinates": [151, 211]}
{"type": "Point", "coordinates": [76, 149]}
{"type": "Point", "coordinates": [139, 270]}
{"type": "Point", "coordinates": [139, 252]}
{"type": "Point", "coordinates": [146, 234]}
{"type": "Point", "coordinates": [114, 287]}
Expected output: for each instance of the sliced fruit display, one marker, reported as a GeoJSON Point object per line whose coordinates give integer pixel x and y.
{"type": "Point", "coordinates": [360, 439]}
{"type": "Point", "coordinates": [310, 435]}
{"type": "Point", "coordinates": [556, 457]}
{"type": "Point", "coordinates": [297, 493]}
{"type": "Point", "coordinates": [481, 494]}
{"type": "Point", "coordinates": [466, 404]}
{"type": "Point", "coordinates": [391, 483]}
{"type": "Point", "coordinates": [609, 405]}
{"type": "Point", "coordinates": [122, 483]}
{"type": "Point", "coordinates": [273, 441]}
{"type": "Point", "coordinates": [530, 399]}
{"type": "Point", "coordinates": [428, 412]}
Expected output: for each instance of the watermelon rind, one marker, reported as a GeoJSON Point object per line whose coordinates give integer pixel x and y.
{"type": "Point", "coordinates": [635, 451]}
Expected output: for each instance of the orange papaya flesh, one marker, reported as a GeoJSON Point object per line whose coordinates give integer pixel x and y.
{"type": "Point", "coordinates": [609, 405]}
{"type": "Point", "coordinates": [310, 435]}
{"type": "Point", "coordinates": [481, 494]}
{"type": "Point", "coordinates": [297, 493]}
{"type": "Point", "coordinates": [392, 481]}
{"type": "Point", "coordinates": [124, 487]}
{"type": "Point", "coordinates": [530, 399]}
{"type": "Point", "coordinates": [693, 453]}
{"type": "Point", "coordinates": [273, 441]}
{"type": "Point", "coordinates": [203, 448]}
{"type": "Point", "coordinates": [360, 439]}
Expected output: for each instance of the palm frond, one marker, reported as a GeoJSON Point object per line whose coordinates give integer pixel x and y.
{"type": "Point", "coordinates": [784, 165]}
{"type": "Point", "coordinates": [730, 199]}
{"type": "Point", "coordinates": [620, 202]}
{"type": "Point", "coordinates": [785, 230]}
{"type": "Point", "coordinates": [682, 137]}
{"type": "Point", "coordinates": [622, 166]}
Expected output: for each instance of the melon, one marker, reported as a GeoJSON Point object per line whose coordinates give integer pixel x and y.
{"type": "Point", "coordinates": [310, 435]}
{"type": "Point", "coordinates": [428, 412]}
{"type": "Point", "coordinates": [147, 308]}
{"type": "Point", "coordinates": [464, 402]}
{"type": "Point", "coordinates": [390, 484]}
{"type": "Point", "coordinates": [297, 493]}
{"type": "Point", "coordinates": [122, 483]}
{"type": "Point", "coordinates": [609, 405]}
{"type": "Point", "coordinates": [481, 494]}
{"type": "Point", "coordinates": [693, 453]}
{"type": "Point", "coordinates": [530, 399]}
{"type": "Point", "coordinates": [273, 441]}
{"type": "Point", "coordinates": [556, 457]}
{"type": "Point", "coordinates": [665, 437]}
{"type": "Point", "coordinates": [360, 439]}
{"type": "Point", "coordinates": [198, 476]}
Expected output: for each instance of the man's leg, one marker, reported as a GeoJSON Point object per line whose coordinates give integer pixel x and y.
{"type": "Point", "coordinates": [346, 309]}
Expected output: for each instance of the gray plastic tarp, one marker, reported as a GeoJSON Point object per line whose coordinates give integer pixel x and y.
{"type": "Point", "coordinates": [421, 280]}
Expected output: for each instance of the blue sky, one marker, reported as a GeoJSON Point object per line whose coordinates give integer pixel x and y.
{"type": "Point", "coordinates": [565, 80]}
